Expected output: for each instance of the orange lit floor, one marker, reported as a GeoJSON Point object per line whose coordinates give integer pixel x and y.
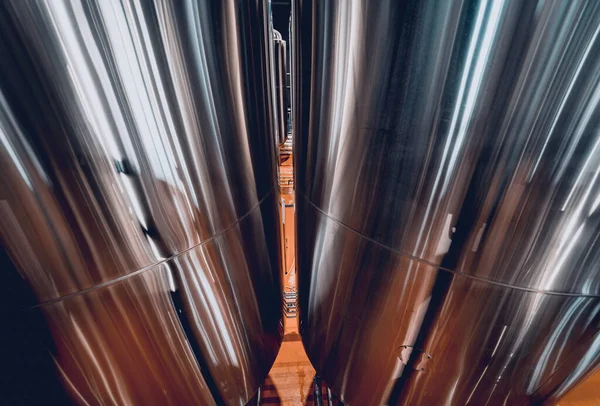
{"type": "Point", "coordinates": [290, 379]}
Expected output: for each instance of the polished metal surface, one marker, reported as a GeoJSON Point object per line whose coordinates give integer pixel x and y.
{"type": "Point", "coordinates": [281, 96]}
{"type": "Point", "coordinates": [364, 302]}
{"type": "Point", "coordinates": [137, 143]}
{"type": "Point", "coordinates": [447, 176]}
{"type": "Point", "coordinates": [178, 333]}
{"type": "Point", "coordinates": [500, 346]}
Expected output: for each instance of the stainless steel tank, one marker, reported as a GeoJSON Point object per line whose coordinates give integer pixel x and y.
{"type": "Point", "coordinates": [448, 198]}
{"type": "Point", "coordinates": [138, 193]}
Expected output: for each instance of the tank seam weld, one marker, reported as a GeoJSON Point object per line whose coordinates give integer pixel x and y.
{"type": "Point", "coordinates": [162, 261]}
{"type": "Point", "coordinates": [453, 271]}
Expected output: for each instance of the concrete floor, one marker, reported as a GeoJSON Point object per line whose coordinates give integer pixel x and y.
{"type": "Point", "coordinates": [290, 379]}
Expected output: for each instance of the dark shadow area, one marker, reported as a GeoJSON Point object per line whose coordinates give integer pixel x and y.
{"type": "Point", "coordinates": [281, 17]}
{"type": "Point", "coordinates": [268, 395]}
{"type": "Point", "coordinates": [28, 375]}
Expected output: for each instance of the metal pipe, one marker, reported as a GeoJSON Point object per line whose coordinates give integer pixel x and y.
{"type": "Point", "coordinates": [138, 193]}
{"type": "Point", "coordinates": [447, 188]}
{"type": "Point", "coordinates": [281, 97]}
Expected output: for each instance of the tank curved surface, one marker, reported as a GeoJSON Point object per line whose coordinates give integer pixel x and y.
{"type": "Point", "coordinates": [138, 193]}
{"type": "Point", "coordinates": [447, 182]}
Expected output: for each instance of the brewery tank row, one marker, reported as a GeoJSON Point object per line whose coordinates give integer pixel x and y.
{"type": "Point", "coordinates": [446, 170]}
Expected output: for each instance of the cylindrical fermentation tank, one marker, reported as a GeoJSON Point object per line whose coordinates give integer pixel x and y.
{"type": "Point", "coordinates": [138, 194]}
{"type": "Point", "coordinates": [448, 197]}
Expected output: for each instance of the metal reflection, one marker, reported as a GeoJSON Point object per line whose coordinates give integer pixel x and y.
{"type": "Point", "coordinates": [187, 331]}
{"type": "Point", "coordinates": [137, 159]}
{"type": "Point", "coordinates": [460, 138]}
{"type": "Point", "coordinates": [512, 342]}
